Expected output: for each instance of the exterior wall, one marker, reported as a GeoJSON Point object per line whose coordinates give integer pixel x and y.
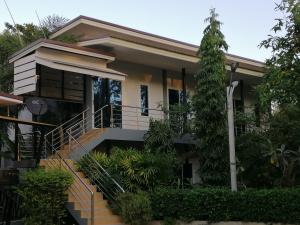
{"type": "Point", "coordinates": [152, 77]}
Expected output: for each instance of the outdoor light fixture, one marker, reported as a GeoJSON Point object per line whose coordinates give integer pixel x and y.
{"type": "Point", "coordinates": [230, 90]}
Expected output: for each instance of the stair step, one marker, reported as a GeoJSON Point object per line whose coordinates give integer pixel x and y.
{"type": "Point", "coordinates": [79, 197]}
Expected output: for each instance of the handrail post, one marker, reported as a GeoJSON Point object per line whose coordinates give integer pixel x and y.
{"type": "Point", "coordinates": [92, 208]}
{"type": "Point", "coordinates": [111, 116]}
{"type": "Point", "coordinates": [70, 139]}
{"type": "Point", "coordinates": [83, 123]}
{"type": "Point", "coordinates": [101, 118]}
{"type": "Point", "coordinates": [137, 118]}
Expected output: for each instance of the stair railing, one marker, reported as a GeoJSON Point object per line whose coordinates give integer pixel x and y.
{"type": "Point", "coordinates": [98, 175]}
{"type": "Point", "coordinates": [85, 200]}
{"type": "Point", "coordinates": [56, 138]}
{"type": "Point", "coordinates": [78, 125]}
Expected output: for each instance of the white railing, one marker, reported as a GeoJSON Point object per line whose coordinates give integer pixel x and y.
{"type": "Point", "coordinates": [114, 116]}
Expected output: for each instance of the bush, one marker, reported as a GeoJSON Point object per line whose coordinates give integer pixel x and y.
{"type": "Point", "coordinates": [44, 195]}
{"type": "Point", "coordinates": [274, 205]}
{"type": "Point", "coordinates": [134, 170]}
{"type": "Point", "coordinates": [135, 209]}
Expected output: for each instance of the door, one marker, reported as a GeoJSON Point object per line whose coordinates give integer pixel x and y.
{"type": "Point", "coordinates": [107, 93]}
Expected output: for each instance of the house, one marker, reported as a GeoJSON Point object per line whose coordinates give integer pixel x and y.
{"type": "Point", "coordinates": [102, 90]}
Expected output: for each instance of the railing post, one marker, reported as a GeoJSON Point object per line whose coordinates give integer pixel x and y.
{"type": "Point", "coordinates": [92, 209]}
{"type": "Point", "coordinates": [70, 140]}
{"type": "Point", "coordinates": [137, 118]}
{"type": "Point", "coordinates": [101, 118]}
{"type": "Point", "coordinates": [83, 123]}
{"type": "Point", "coordinates": [111, 116]}
{"type": "Point", "coordinates": [52, 147]}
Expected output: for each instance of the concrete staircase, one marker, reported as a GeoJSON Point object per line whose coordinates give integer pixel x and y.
{"type": "Point", "coordinates": [73, 150]}
{"type": "Point", "coordinates": [85, 204]}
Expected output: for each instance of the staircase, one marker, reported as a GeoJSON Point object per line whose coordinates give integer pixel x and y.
{"type": "Point", "coordinates": [87, 202]}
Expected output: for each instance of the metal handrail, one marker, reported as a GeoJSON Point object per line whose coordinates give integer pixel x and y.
{"type": "Point", "coordinates": [98, 165]}
{"type": "Point", "coordinates": [73, 172]}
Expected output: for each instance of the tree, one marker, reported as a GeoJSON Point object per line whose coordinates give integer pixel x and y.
{"type": "Point", "coordinates": [209, 104]}
{"type": "Point", "coordinates": [53, 22]}
{"type": "Point", "coordinates": [281, 83]}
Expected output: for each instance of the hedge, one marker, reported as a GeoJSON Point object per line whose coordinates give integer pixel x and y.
{"type": "Point", "coordinates": [211, 204]}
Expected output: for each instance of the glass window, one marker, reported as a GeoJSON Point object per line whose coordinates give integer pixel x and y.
{"type": "Point", "coordinates": [73, 86]}
{"type": "Point", "coordinates": [173, 97]}
{"type": "Point", "coordinates": [51, 82]}
{"type": "Point", "coordinates": [144, 100]}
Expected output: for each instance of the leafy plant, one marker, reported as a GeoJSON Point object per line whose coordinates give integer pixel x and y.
{"type": "Point", "coordinates": [160, 137]}
{"type": "Point", "coordinates": [209, 104]}
{"type": "Point", "coordinates": [135, 209]}
{"type": "Point", "coordinates": [135, 170]}
{"type": "Point", "coordinates": [44, 196]}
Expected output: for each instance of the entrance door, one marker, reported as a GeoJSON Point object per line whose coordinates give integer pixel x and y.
{"type": "Point", "coordinates": [107, 92]}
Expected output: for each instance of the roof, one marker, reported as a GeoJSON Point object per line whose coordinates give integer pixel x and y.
{"type": "Point", "coordinates": [10, 99]}
{"type": "Point", "coordinates": [81, 17]}
{"type": "Point", "coordinates": [52, 43]}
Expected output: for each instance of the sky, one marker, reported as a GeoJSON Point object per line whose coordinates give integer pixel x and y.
{"type": "Point", "coordinates": [245, 22]}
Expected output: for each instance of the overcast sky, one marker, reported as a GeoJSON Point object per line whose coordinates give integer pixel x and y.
{"type": "Point", "coordinates": [245, 22]}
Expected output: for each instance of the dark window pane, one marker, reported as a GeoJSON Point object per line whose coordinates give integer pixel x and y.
{"type": "Point", "coordinates": [173, 97]}
{"type": "Point", "coordinates": [51, 82]}
{"type": "Point", "coordinates": [144, 100]}
{"type": "Point", "coordinates": [73, 86]}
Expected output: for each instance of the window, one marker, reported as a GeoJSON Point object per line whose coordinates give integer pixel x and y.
{"type": "Point", "coordinates": [175, 97]}
{"type": "Point", "coordinates": [144, 100]}
{"type": "Point", "coordinates": [238, 107]}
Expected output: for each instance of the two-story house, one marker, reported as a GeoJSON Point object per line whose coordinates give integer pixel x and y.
{"type": "Point", "coordinates": [132, 70]}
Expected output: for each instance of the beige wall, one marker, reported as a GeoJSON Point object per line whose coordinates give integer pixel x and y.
{"type": "Point", "coordinates": [152, 77]}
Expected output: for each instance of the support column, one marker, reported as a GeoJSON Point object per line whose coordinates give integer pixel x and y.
{"type": "Point", "coordinates": [16, 142]}
{"type": "Point", "coordinates": [165, 89]}
{"type": "Point", "coordinates": [241, 83]}
{"type": "Point", "coordinates": [183, 75]}
{"type": "Point", "coordinates": [184, 100]}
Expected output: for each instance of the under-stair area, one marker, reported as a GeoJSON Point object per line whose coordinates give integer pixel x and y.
{"type": "Point", "coordinates": [85, 203]}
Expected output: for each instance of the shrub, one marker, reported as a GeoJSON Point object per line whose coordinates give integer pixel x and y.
{"type": "Point", "coordinates": [134, 170]}
{"type": "Point", "coordinates": [44, 195]}
{"type": "Point", "coordinates": [135, 209]}
{"type": "Point", "coordinates": [273, 205]}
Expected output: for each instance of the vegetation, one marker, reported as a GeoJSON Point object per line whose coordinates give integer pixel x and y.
{"type": "Point", "coordinates": [44, 196]}
{"type": "Point", "coordinates": [213, 204]}
{"type": "Point", "coordinates": [209, 105]}
{"type": "Point", "coordinates": [134, 170]}
{"type": "Point", "coordinates": [160, 137]}
{"type": "Point", "coordinates": [281, 84]}
{"type": "Point", "coordinates": [135, 209]}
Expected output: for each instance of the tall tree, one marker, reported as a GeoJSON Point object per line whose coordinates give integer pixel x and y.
{"type": "Point", "coordinates": [209, 104]}
{"type": "Point", "coordinates": [281, 83]}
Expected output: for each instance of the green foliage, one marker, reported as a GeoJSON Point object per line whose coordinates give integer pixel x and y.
{"type": "Point", "coordinates": [273, 205]}
{"type": "Point", "coordinates": [209, 105]}
{"type": "Point", "coordinates": [135, 209]}
{"type": "Point", "coordinates": [44, 196]}
{"type": "Point", "coordinates": [254, 166]}
{"type": "Point", "coordinates": [281, 83]}
{"type": "Point", "coordinates": [271, 156]}
{"type": "Point", "coordinates": [159, 137]}
{"type": "Point", "coordinates": [134, 170]}
{"type": "Point", "coordinates": [285, 127]}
